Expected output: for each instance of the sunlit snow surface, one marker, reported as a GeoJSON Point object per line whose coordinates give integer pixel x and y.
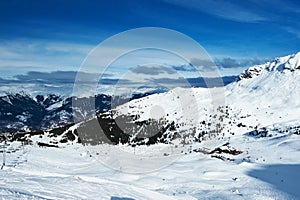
{"type": "Point", "coordinates": [69, 173]}
{"type": "Point", "coordinates": [268, 168]}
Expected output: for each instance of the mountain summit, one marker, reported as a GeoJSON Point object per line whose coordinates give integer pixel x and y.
{"type": "Point", "coordinates": [280, 64]}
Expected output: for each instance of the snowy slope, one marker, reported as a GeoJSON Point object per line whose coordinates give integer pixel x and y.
{"type": "Point", "coordinates": [254, 155]}
{"type": "Point", "coordinates": [70, 173]}
{"type": "Point", "coordinates": [271, 97]}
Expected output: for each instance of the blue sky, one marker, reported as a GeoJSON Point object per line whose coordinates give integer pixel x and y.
{"type": "Point", "coordinates": [57, 35]}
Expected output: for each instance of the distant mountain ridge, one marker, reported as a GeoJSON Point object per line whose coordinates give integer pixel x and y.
{"type": "Point", "coordinates": [23, 111]}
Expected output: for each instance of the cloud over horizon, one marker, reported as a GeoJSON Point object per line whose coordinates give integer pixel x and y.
{"type": "Point", "coordinates": [152, 70]}
{"type": "Point", "coordinates": [229, 62]}
{"type": "Point", "coordinates": [162, 72]}
{"type": "Point", "coordinates": [68, 77]}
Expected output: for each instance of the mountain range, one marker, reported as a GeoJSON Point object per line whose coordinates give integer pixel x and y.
{"type": "Point", "coordinates": [263, 97]}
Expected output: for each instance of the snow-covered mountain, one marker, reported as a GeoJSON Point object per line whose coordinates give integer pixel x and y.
{"type": "Point", "coordinates": [240, 141]}
{"type": "Point", "coordinates": [266, 96]}
{"type": "Point", "coordinates": [280, 64]}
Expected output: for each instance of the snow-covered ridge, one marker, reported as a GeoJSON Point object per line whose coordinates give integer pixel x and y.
{"type": "Point", "coordinates": [269, 97]}
{"type": "Point", "coordinates": [280, 64]}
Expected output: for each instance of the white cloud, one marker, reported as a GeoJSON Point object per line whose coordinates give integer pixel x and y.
{"type": "Point", "coordinates": [20, 56]}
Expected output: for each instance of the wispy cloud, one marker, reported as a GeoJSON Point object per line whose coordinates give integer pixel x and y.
{"type": "Point", "coordinates": [277, 6]}
{"type": "Point", "coordinates": [293, 30]}
{"type": "Point", "coordinates": [224, 9]}
{"type": "Point", "coordinates": [21, 56]}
